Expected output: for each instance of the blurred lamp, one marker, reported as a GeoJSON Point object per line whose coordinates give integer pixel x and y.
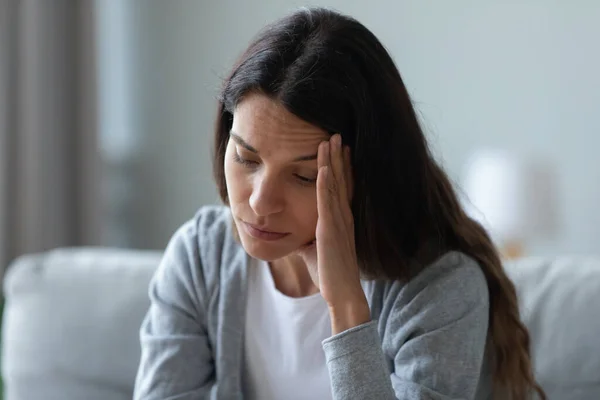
{"type": "Point", "coordinates": [511, 197]}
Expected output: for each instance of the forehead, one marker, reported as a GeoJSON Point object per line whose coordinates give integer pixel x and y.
{"type": "Point", "coordinates": [264, 122]}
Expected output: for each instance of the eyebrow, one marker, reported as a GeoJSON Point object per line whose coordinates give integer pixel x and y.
{"type": "Point", "coordinates": [247, 146]}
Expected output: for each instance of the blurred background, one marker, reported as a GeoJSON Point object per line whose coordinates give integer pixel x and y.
{"type": "Point", "coordinates": [106, 118]}
{"type": "Point", "coordinates": [107, 107]}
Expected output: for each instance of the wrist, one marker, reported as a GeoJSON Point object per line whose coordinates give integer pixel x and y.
{"type": "Point", "coordinates": [349, 314]}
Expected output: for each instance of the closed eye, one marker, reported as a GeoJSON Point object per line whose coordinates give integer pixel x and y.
{"type": "Point", "coordinates": [244, 161]}
{"type": "Point", "coordinates": [253, 164]}
{"type": "Point", "coordinates": [305, 180]}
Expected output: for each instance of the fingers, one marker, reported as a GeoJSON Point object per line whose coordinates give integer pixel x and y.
{"type": "Point", "coordinates": [337, 165]}
{"type": "Point", "coordinates": [336, 157]}
{"type": "Point", "coordinates": [323, 197]}
{"type": "Point", "coordinates": [323, 183]}
{"type": "Point", "coordinates": [323, 154]}
{"type": "Point", "coordinates": [326, 186]}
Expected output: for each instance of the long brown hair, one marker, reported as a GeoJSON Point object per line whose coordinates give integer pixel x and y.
{"type": "Point", "coordinates": [330, 70]}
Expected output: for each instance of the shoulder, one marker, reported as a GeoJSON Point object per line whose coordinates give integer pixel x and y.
{"type": "Point", "coordinates": [435, 328]}
{"type": "Point", "coordinates": [208, 222]}
{"type": "Point", "coordinates": [198, 250]}
{"type": "Point", "coordinates": [452, 286]}
{"type": "Point", "coordinates": [208, 233]}
{"type": "Point", "coordinates": [453, 277]}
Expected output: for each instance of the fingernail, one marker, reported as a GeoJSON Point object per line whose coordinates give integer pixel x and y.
{"type": "Point", "coordinates": [337, 139]}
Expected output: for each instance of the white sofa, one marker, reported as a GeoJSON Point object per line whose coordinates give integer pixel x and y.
{"type": "Point", "coordinates": [71, 319]}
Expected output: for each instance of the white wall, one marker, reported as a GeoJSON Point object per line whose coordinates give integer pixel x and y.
{"type": "Point", "coordinates": [521, 75]}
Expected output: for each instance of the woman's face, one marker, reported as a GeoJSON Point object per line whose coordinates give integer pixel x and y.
{"type": "Point", "coordinates": [271, 171]}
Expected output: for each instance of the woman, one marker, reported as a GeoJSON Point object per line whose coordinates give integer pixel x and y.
{"type": "Point", "coordinates": [343, 265]}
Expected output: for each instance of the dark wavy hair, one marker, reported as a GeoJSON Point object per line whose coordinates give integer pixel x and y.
{"type": "Point", "coordinates": [331, 71]}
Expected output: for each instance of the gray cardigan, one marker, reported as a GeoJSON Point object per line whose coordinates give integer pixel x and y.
{"type": "Point", "coordinates": [426, 339]}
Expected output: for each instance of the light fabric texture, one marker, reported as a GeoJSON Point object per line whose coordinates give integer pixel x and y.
{"type": "Point", "coordinates": [52, 178]}
{"type": "Point", "coordinates": [71, 322]}
{"type": "Point", "coordinates": [426, 338]}
{"type": "Point", "coordinates": [560, 304]}
{"type": "Point", "coordinates": [284, 358]}
{"type": "Point", "coordinates": [86, 305]}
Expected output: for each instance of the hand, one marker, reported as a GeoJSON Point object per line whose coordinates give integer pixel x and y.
{"type": "Point", "coordinates": [332, 261]}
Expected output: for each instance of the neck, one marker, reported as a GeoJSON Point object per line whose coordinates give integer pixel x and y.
{"type": "Point", "coordinates": [291, 277]}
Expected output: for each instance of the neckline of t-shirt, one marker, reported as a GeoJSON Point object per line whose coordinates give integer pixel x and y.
{"type": "Point", "coordinates": [265, 271]}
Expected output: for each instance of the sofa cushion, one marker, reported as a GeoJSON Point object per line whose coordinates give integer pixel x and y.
{"type": "Point", "coordinates": [72, 317]}
{"type": "Point", "coordinates": [560, 303]}
{"type": "Point", "coordinates": [71, 323]}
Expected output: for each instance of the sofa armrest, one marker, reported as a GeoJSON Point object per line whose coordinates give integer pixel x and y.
{"type": "Point", "coordinates": [559, 299]}
{"type": "Point", "coordinates": [71, 323]}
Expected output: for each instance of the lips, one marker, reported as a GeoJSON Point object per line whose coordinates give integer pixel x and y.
{"type": "Point", "coordinates": [264, 229]}
{"type": "Point", "coordinates": [263, 233]}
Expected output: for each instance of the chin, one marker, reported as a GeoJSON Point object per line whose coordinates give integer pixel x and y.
{"type": "Point", "coordinates": [266, 251]}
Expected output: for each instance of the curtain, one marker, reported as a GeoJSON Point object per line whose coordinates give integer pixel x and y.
{"type": "Point", "coordinates": [49, 166]}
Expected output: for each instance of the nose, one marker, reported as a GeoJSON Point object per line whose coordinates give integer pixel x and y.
{"type": "Point", "coordinates": [267, 196]}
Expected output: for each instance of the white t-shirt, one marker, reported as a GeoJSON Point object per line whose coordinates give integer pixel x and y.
{"type": "Point", "coordinates": [283, 357]}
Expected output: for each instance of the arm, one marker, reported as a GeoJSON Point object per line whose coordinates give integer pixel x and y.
{"type": "Point", "coordinates": [434, 339]}
{"type": "Point", "coordinates": [176, 360]}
